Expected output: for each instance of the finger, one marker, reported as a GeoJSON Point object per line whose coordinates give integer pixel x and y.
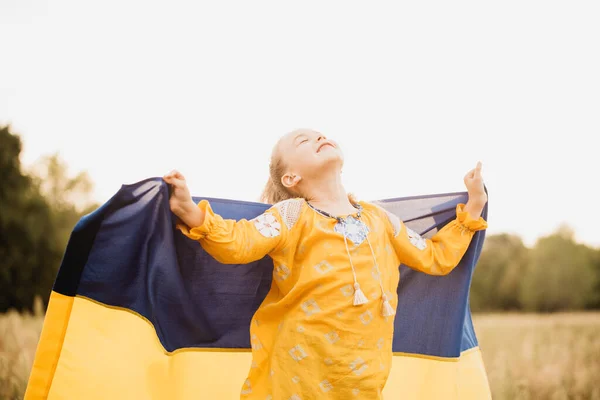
{"type": "Point", "coordinates": [178, 183]}
{"type": "Point", "coordinates": [178, 175]}
{"type": "Point", "coordinates": [168, 178]}
{"type": "Point", "coordinates": [174, 174]}
{"type": "Point", "coordinates": [478, 172]}
{"type": "Point", "coordinates": [469, 174]}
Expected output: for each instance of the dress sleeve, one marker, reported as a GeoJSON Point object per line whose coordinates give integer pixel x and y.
{"type": "Point", "coordinates": [440, 254]}
{"type": "Point", "coordinates": [238, 242]}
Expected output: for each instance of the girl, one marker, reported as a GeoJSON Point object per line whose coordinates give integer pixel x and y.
{"type": "Point", "coordinates": [325, 328]}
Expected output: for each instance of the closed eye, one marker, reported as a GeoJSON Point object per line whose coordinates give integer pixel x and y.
{"type": "Point", "coordinates": [300, 139]}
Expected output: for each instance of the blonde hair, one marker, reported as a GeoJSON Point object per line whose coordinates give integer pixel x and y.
{"type": "Point", "coordinates": [274, 191]}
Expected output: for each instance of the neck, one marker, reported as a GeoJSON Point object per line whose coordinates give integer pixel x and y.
{"type": "Point", "coordinates": [328, 194]}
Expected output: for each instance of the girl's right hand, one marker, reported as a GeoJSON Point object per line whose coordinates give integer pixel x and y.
{"type": "Point", "coordinates": [180, 201]}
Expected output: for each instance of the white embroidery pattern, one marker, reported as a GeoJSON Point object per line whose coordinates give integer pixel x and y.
{"type": "Point", "coordinates": [332, 337]}
{"type": "Point", "coordinates": [297, 353]}
{"type": "Point", "coordinates": [281, 272]}
{"type": "Point", "coordinates": [366, 317]}
{"type": "Point", "coordinates": [416, 239]}
{"type": "Point", "coordinates": [255, 342]}
{"type": "Point", "coordinates": [358, 366]}
{"type": "Point", "coordinates": [323, 267]}
{"type": "Point", "coordinates": [375, 273]}
{"type": "Point", "coordinates": [347, 290]}
{"type": "Point", "coordinates": [247, 387]}
{"type": "Point", "coordinates": [267, 225]}
{"type": "Point", "coordinates": [354, 229]}
{"type": "Point", "coordinates": [289, 211]}
{"type": "Point", "coordinates": [310, 307]}
{"type": "Point", "coordinates": [325, 386]}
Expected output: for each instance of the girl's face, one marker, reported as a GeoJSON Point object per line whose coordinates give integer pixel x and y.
{"type": "Point", "coordinates": [308, 154]}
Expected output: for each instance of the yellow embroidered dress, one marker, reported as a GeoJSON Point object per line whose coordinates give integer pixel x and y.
{"type": "Point", "coordinates": [309, 339]}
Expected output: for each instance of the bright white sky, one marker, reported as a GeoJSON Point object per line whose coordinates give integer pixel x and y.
{"type": "Point", "coordinates": [415, 93]}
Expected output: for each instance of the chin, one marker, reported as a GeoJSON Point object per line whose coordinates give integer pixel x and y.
{"type": "Point", "coordinates": [336, 158]}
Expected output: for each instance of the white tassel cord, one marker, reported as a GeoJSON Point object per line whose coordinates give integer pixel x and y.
{"type": "Point", "coordinates": [386, 308]}
{"type": "Point", "coordinates": [359, 296]}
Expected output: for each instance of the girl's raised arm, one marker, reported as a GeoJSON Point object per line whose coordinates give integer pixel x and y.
{"type": "Point", "coordinates": [228, 241]}
{"type": "Point", "coordinates": [440, 254]}
{"type": "Point", "coordinates": [238, 242]}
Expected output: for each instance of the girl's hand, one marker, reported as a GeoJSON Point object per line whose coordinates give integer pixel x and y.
{"type": "Point", "coordinates": [181, 202]}
{"type": "Point", "coordinates": [477, 196]}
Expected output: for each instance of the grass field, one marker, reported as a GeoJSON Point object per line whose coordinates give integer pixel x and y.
{"type": "Point", "coordinates": [541, 356]}
{"type": "Point", "coordinates": [19, 335]}
{"type": "Point", "coordinates": [527, 356]}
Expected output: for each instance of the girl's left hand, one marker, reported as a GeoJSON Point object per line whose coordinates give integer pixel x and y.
{"type": "Point", "coordinates": [474, 183]}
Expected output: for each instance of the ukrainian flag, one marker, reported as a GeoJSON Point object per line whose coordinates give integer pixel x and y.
{"type": "Point", "coordinates": [138, 311]}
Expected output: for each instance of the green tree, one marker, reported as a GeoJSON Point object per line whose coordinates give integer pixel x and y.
{"type": "Point", "coordinates": [594, 298]}
{"type": "Point", "coordinates": [560, 275]}
{"type": "Point", "coordinates": [69, 197]}
{"type": "Point", "coordinates": [497, 278]}
{"type": "Point", "coordinates": [28, 250]}
{"type": "Point", "coordinates": [37, 215]}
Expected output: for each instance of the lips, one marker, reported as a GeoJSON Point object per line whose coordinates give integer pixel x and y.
{"type": "Point", "coordinates": [323, 145]}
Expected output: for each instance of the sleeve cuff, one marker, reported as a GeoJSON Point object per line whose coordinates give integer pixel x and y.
{"type": "Point", "coordinates": [199, 232]}
{"type": "Point", "coordinates": [465, 220]}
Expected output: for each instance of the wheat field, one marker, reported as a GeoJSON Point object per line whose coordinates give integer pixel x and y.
{"type": "Point", "coordinates": [541, 356]}
{"type": "Point", "coordinates": [19, 334]}
{"type": "Point", "coordinates": [527, 356]}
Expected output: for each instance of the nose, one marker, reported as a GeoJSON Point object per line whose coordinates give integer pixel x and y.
{"type": "Point", "coordinates": [321, 137]}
